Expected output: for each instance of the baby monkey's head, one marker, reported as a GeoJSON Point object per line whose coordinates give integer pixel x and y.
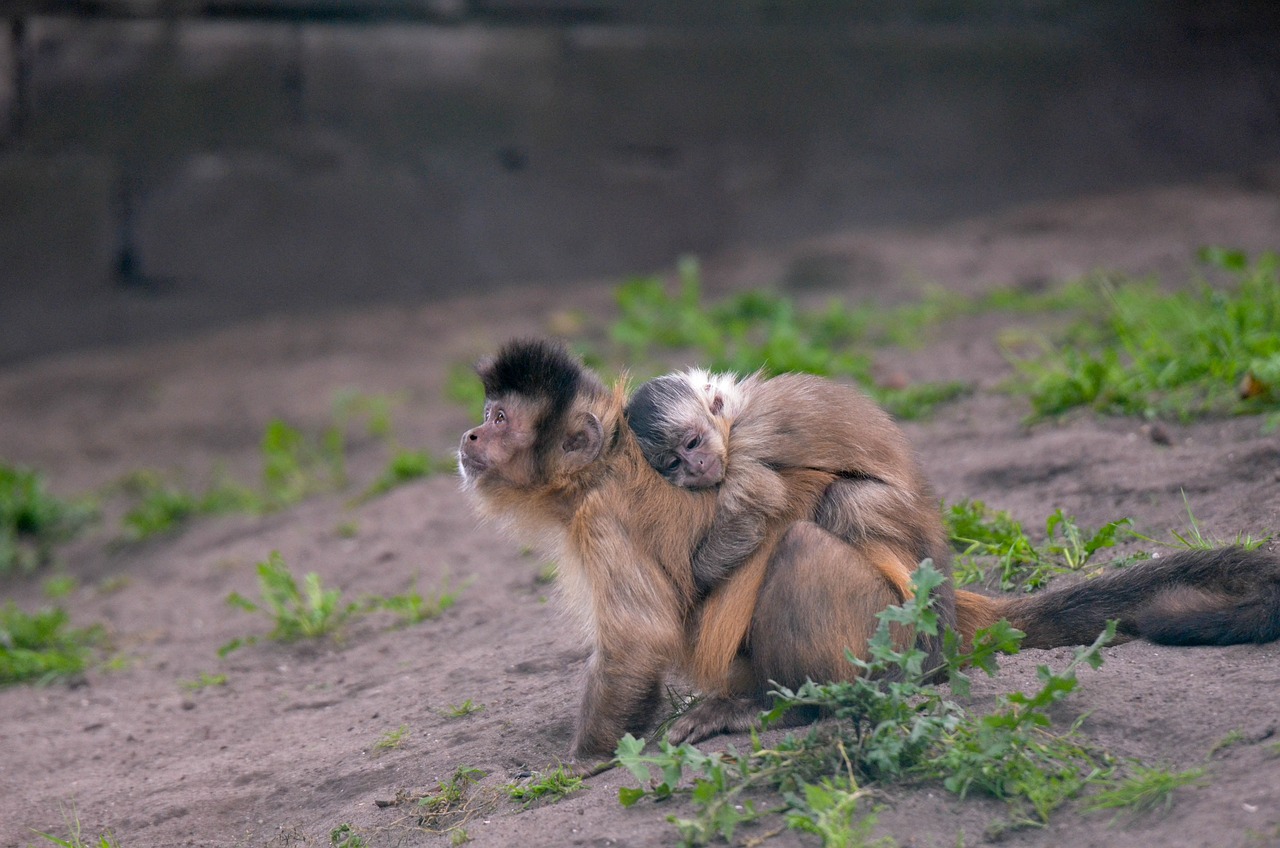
{"type": "Point", "coordinates": [682, 423]}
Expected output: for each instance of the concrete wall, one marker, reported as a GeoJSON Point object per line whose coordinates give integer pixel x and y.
{"type": "Point", "coordinates": [186, 171]}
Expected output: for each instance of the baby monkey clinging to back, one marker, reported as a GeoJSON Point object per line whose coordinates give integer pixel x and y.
{"type": "Point", "coordinates": [701, 430]}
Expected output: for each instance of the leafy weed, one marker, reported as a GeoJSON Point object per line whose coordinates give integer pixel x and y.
{"type": "Point", "coordinates": [32, 519]}
{"type": "Point", "coordinates": [1147, 788]}
{"type": "Point", "coordinates": [411, 607]}
{"type": "Point", "coordinates": [886, 724]}
{"type": "Point", "coordinates": [307, 613]}
{"type": "Point", "coordinates": [757, 330]}
{"type": "Point", "coordinates": [39, 646]}
{"type": "Point", "coordinates": [345, 836]}
{"type": "Point", "coordinates": [549, 786]}
{"type": "Point", "coordinates": [984, 536]}
{"type": "Point", "coordinates": [1207, 351]}
{"type": "Point", "coordinates": [391, 739]}
{"type": "Point", "coordinates": [466, 708]}
{"type": "Point", "coordinates": [454, 802]}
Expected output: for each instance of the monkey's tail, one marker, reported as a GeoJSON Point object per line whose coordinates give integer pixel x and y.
{"type": "Point", "coordinates": [1225, 596]}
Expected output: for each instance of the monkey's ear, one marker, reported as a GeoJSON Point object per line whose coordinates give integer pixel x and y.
{"type": "Point", "coordinates": [717, 404]}
{"type": "Point", "coordinates": [583, 441]}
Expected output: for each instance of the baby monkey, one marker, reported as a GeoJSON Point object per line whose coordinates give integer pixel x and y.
{"type": "Point", "coordinates": [700, 430]}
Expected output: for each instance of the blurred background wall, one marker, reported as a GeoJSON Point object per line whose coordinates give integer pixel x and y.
{"type": "Point", "coordinates": [173, 164]}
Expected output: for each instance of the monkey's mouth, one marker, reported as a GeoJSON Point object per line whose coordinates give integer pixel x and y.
{"type": "Point", "coordinates": [470, 466]}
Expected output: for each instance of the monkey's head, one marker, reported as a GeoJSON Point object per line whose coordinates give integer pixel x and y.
{"type": "Point", "coordinates": [678, 423]}
{"type": "Point", "coordinates": [540, 426]}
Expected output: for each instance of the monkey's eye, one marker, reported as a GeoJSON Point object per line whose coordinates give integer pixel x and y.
{"type": "Point", "coordinates": [693, 442]}
{"type": "Point", "coordinates": [499, 417]}
{"type": "Point", "coordinates": [672, 464]}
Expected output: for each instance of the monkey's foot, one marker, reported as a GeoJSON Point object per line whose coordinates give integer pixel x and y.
{"type": "Point", "coordinates": [712, 715]}
{"type": "Point", "coordinates": [588, 767]}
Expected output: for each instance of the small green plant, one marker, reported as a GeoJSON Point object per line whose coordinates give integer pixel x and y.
{"type": "Point", "coordinates": [204, 681]}
{"type": "Point", "coordinates": [32, 519]}
{"type": "Point", "coordinates": [75, 838]}
{"type": "Point", "coordinates": [830, 811]}
{"type": "Point", "coordinates": [347, 530]}
{"type": "Point", "coordinates": [391, 739]}
{"type": "Point", "coordinates": [345, 836]}
{"type": "Point", "coordinates": [757, 330]}
{"type": "Point", "coordinates": [1147, 788]}
{"type": "Point", "coordinates": [466, 708]}
{"type": "Point", "coordinates": [374, 410]}
{"type": "Point", "coordinates": [1190, 353]}
{"type": "Point", "coordinates": [719, 782]}
{"type": "Point", "coordinates": [1009, 753]}
{"type": "Point", "coordinates": [886, 724]}
{"type": "Point", "coordinates": [404, 466]}
{"type": "Point", "coordinates": [546, 574]}
{"type": "Point", "coordinates": [39, 646]}
{"type": "Point", "coordinates": [295, 466]}
{"type": "Point", "coordinates": [1194, 539]}
{"type": "Point", "coordinates": [459, 837]}
{"type": "Point", "coordinates": [453, 803]}
{"type": "Point", "coordinates": [1230, 739]}
{"type": "Point", "coordinates": [411, 607]}
{"type": "Point", "coordinates": [549, 786]}
{"type": "Point", "coordinates": [983, 536]}
{"type": "Point", "coordinates": [307, 613]}
{"type": "Point", "coordinates": [162, 507]}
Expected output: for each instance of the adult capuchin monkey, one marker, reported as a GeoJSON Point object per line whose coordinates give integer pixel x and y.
{"type": "Point", "coordinates": [555, 460]}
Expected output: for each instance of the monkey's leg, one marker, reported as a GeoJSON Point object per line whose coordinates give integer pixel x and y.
{"type": "Point", "coordinates": [718, 712]}
{"type": "Point", "coordinates": [863, 512]}
{"type": "Point", "coordinates": [751, 496]}
{"type": "Point", "coordinates": [623, 692]}
{"type": "Point", "coordinates": [819, 595]}
{"type": "Point", "coordinates": [731, 539]}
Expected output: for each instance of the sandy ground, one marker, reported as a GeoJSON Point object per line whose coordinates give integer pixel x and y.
{"type": "Point", "coordinates": [285, 751]}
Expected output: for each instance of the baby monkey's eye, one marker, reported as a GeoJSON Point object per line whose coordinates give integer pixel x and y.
{"type": "Point", "coordinates": [693, 442]}
{"type": "Point", "coordinates": [673, 463]}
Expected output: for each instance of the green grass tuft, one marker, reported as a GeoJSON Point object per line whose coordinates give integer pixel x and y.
{"type": "Point", "coordinates": [32, 519]}
{"type": "Point", "coordinates": [886, 725]}
{"type": "Point", "coordinates": [1147, 788]}
{"type": "Point", "coordinates": [549, 786]}
{"type": "Point", "coordinates": [466, 708]}
{"type": "Point", "coordinates": [40, 647]}
{"type": "Point", "coordinates": [75, 837]}
{"type": "Point", "coordinates": [309, 612]}
{"type": "Point", "coordinates": [987, 538]}
{"type": "Point", "coordinates": [391, 739]}
{"type": "Point", "coordinates": [763, 331]}
{"type": "Point", "coordinates": [1208, 351]}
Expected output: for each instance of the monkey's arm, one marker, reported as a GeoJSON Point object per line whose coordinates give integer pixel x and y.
{"type": "Point", "coordinates": [751, 496]}
{"type": "Point", "coordinates": [637, 631]}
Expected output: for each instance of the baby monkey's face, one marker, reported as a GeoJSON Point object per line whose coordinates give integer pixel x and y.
{"type": "Point", "coordinates": [696, 458]}
{"type": "Point", "coordinates": [680, 429]}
